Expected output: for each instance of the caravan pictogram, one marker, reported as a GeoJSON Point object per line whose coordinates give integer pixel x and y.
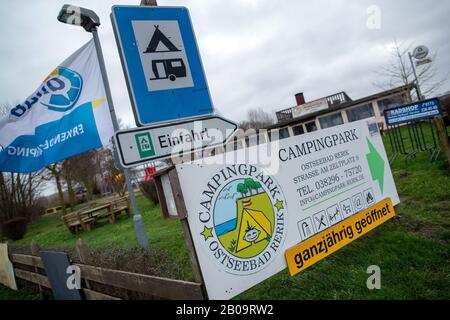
{"type": "Point", "coordinates": [163, 55]}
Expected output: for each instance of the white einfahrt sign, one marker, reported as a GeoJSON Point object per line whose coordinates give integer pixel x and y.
{"type": "Point", "coordinates": [243, 218]}
{"type": "Point", "coordinates": [140, 145]}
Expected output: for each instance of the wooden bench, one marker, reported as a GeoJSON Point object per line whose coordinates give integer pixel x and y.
{"type": "Point", "coordinates": [120, 205]}
{"type": "Point", "coordinates": [86, 220]}
{"type": "Point", "coordinates": [72, 222]}
{"type": "Point", "coordinates": [77, 219]}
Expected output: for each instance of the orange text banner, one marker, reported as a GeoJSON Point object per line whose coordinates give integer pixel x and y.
{"type": "Point", "coordinates": [307, 253]}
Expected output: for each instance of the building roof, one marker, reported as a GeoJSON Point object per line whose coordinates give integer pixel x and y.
{"type": "Point", "coordinates": [376, 96]}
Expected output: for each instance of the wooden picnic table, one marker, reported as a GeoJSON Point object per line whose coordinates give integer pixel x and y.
{"type": "Point", "coordinates": [95, 212]}
{"type": "Point", "coordinates": [85, 218]}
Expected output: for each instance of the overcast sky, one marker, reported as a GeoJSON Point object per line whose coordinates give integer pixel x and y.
{"type": "Point", "coordinates": [256, 53]}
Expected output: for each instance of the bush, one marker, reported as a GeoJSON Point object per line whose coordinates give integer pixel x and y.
{"type": "Point", "coordinates": [14, 229]}
{"type": "Point", "coordinates": [149, 190]}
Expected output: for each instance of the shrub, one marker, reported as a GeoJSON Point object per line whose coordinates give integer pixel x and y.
{"type": "Point", "coordinates": [14, 229]}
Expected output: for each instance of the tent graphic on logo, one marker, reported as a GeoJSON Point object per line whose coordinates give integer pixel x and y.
{"type": "Point", "coordinates": [165, 68]}
{"type": "Point", "coordinates": [254, 228]}
{"type": "Point", "coordinates": [244, 218]}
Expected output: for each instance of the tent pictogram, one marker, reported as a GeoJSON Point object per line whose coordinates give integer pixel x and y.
{"type": "Point", "coordinates": [157, 38]}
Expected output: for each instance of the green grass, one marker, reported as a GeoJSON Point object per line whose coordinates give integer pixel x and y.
{"type": "Point", "coordinates": [9, 294]}
{"type": "Point", "coordinates": [163, 234]}
{"type": "Point", "coordinates": [412, 250]}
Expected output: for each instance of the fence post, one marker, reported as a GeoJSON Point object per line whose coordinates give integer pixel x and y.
{"type": "Point", "coordinates": [35, 252]}
{"type": "Point", "coordinates": [83, 251]}
{"type": "Point", "coordinates": [443, 136]}
{"type": "Point", "coordinates": [34, 248]}
{"type": "Point", "coordinates": [84, 255]}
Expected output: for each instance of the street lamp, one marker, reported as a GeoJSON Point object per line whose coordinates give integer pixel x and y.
{"type": "Point", "coordinates": [89, 20]}
{"type": "Point", "coordinates": [78, 16]}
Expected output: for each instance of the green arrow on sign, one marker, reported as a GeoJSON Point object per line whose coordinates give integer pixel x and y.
{"type": "Point", "coordinates": [376, 165]}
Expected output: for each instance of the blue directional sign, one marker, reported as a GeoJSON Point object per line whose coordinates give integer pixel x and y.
{"type": "Point", "coordinates": [413, 112]}
{"type": "Point", "coordinates": [161, 62]}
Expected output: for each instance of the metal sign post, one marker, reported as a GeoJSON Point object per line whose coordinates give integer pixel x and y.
{"type": "Point", "coordinates": [137, 218]}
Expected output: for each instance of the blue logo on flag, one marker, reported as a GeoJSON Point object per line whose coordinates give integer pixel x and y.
{"type": "Point", "coordinates": [65, 87]}
{"type": "Point", "coordinates": [59, 92]}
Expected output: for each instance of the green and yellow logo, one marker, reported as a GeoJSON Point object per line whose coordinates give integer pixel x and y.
{"type": "Point", "coordinates": [145, 145]}
{"type": "Point", "coordinates": [247, 226]}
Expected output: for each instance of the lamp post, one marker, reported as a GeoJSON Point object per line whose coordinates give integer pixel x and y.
{"type": "Point", "coordinates": [89, 20]}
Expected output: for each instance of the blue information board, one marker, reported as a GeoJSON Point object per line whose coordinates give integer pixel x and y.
{"type": "Point", "coordinates": [413, 112]}
{"type": "Point", "coordinates": [161, 62]}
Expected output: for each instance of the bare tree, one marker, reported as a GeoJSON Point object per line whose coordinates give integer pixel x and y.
{"type": "Point", "coordinates": [85, 170]}
{"type": "Point", "coordinates": [115, 175]}
{"type": "Point", "coordinates": [18, 192]}
{"type": "Point", "coordinates": [398, 72]}
{"type": "Point", "coordinates": [68, 168]}
{"type": "Point", "coordinates": [256, 119]}
{"type": "Point", "coordinates": [55, 171]}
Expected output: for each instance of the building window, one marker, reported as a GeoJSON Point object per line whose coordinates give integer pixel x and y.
{"type": "Point", "coordinates": [278, 134]}
{"type": "Point", "coordinates": [298, 130]}
{"type": "Point", "coordinates": [390, 103]}
{"type": "Point", "coordinates": [360, 112]}
{"type": "Point", "coordinates": [284, 133]}
{"type": "Point", "coordinates": [331, 120]}
{"type": "Point", "coordinates": [311, 126]}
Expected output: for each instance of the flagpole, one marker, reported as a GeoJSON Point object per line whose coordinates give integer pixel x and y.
{"type": "Point", "coordinates": [137, 218]}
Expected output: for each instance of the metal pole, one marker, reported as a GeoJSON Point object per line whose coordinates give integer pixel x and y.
{"type": "Point", "coordinates": [419, 93]}
{"type": "Point", "coordinates": [137, 218]}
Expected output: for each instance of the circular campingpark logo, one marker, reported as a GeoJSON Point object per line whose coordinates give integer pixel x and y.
{"type": "Point", "coordinates": [245, 225]}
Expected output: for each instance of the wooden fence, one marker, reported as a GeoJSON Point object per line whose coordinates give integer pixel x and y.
{"type": "Point", "coordinates": [106, 284]}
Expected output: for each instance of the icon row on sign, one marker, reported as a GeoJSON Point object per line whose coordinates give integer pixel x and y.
{"type": "Point", "coordinates": [335, 213]}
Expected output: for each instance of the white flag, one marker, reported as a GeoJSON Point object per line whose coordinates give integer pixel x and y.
{"type": "Point", "coordinates": [68, 114]}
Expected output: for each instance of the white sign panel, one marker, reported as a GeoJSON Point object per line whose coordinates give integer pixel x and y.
{"type": "Point", "coordinates": [420, 52]}
{"type": "Point", "coordinates": [309, 108]}
{"type": "Point", "coordinates": [141, 145]}
{"type": "Point", "coordinates": [423, 61]}
{"type": "Point", "coordinates": [162, 54]}
{"type": "Point", "coordinates": [243, 217]}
